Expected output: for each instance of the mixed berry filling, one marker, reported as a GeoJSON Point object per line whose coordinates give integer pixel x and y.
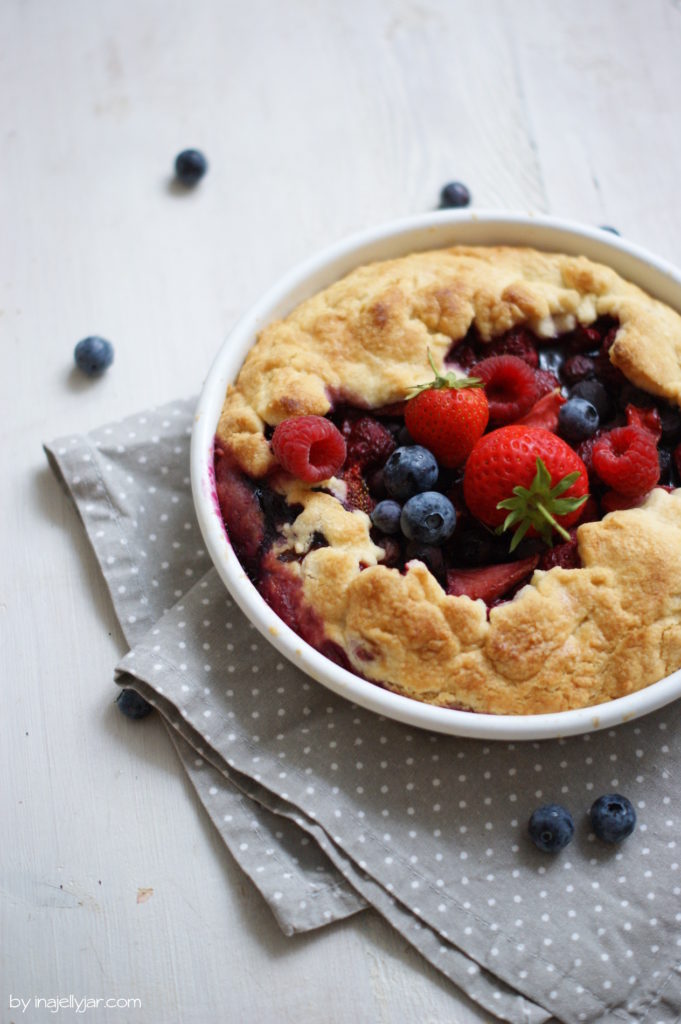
{"type": "Point", "coordinates": [483, 474]}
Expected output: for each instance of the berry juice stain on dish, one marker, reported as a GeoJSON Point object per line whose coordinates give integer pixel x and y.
{"type": "Point", "coordinates": [482, 540]}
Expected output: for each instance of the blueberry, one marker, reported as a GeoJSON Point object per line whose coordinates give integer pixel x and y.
{"type": "Point", "coordinates": [93, 355]}
{"type": "Point", "coordinates": [607, 227]}
{"type": "Point", "coordinates": [454, 194]}
{"type": "Point", "coordinates": [578, 419]}
{"type": "Point", "coordinates": [551, 828]}
{"type": "Point", "coordinates": [410, 470]}
{"type": "Point", "coordinates": [613, 818]}
{"type": "Point", "coordinates": [132, 705]}
{"type": "Point", "coordinates": [386, 516]}
{"type": "Point", "coordinates": [429, 517]}
{"type": "Point", "coordinates": [190, 166]}
{"type": "Point", "coordinates": [594, 392]}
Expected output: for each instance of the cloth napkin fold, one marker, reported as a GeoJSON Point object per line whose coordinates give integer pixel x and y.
{"type": "Point", "coordinates": [329, 808]}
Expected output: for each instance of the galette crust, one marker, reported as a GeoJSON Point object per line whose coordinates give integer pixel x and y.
{"type": "Point", "coordinates": [570, 638]}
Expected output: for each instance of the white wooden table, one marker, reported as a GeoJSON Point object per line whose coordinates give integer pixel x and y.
{"type": "Point", "coordinates": [317, 120]}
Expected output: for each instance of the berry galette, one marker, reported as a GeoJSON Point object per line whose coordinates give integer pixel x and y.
{"type": "Point", "coordinates": [454, 474]}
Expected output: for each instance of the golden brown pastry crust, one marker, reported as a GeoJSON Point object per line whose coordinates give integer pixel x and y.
{"type": "Point", "coordinates": [570, 638]}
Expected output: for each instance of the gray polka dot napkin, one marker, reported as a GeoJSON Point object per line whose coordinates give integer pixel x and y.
{"type": "Point", "coordinates": [329, 807]}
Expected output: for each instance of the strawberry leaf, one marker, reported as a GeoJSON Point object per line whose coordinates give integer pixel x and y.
{"type": "Point", "coordinates": [537, 506]}
{"type": "Point", "coordinates": [447, 380]}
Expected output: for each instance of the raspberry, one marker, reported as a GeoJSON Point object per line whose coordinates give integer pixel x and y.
{"type": "Point", "coordinates": [647, 419]}
{"type": "Point", "coordinates": [510, 386]}
{"type": "Point", "coordinates": [368, 441]}
{"type": "Point", "coordinates": [612, 501]}
{"type": "Point", "coordinates": [517, 342]}
{"type": "Point", "coordinates": [626, 460]}
{"type": "Point", "coordinates": [309, 447]}
{"type": "Point", "coordinates": [546, 382]}
{"type": "Point", "coordinates": [585, 339]}
{"type": "Point", "coordinates": [578, 368]}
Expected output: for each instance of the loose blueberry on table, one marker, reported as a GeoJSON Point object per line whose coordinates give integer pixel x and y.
{"type": "Point", "coordinates": [483, 473]}
{"type": "Point", "coordinates": [130, 704]}
{"type": "Point", "coordinates": [454, 195]}
{"type": "Point", "coordinates": [613, 818]}
{"type": "Point", "coordinates": [93, 355]}
{"type": "Point", "coordinates": [551, 828]}
{"type": "Point", "coordinates": [190, 166]}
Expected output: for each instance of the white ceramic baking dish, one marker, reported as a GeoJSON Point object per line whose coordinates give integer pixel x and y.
{"type": "Point", "coordinates": [429, 231]}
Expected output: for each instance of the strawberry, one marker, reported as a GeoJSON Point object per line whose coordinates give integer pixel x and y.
{"type": "Point", "coordinates": [357, 492]}
{"type": "Point", "coordinates": [526, 478]}
{"type": "Point", "coordinates": [544, 413]}
{"type": "Point", "coordinates": [489, 582]}
{"type": "Point", "coordinates": [447, 416]}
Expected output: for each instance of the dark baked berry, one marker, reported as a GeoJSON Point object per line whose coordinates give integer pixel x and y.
{"type": "Point", "coordinates": [410, 470]}
{"type": "Point", "coordinates": [667, 467]}
{"type": "Point", "coordinates": [517, 342]}
{"type": "Point", "coordinates": [368, 441]}
{"type": "Point", "coordinates": [594, 392]}
{"type": "Point", "coordinates": [626, 460]}
{"type": "Point", "coordinates": [93, 355]}
{"type": "Point", "coordinates": [578, 367]}
{"type": "Point", "coordinates": [386, 516]}
{"type": "Point", "coordinates": [454, 195]}
{"type": "Point", "coordinates": [431, 556]}
{"type": "Point", "coordinates": [585, 339]}
{"type": "Point", "coordinates": [551, 828]}
{"type": "Point", "coordinates": [565, 555]}
{"type": "Point", "coordinates": [376, 484]}
{"type": "Point", "coordinates": [510, 386]}
{"type": "Point", "coordinates": [476, 547]}
{"type": "Point", "coordinates": [613, 818]}
{"type": "Point", "coordinates": [670, 422]}
{"type": "Point", "coordinates": [131, 705]}
{"type": "Point", "coordinates": [608, 227]}
{"type": "Point", "coordinates": [428, 517]}
{"type": "Point", "coordinates": [577, 420]}
{"type": "Point", "coordinates": [392, 557]}
{"type": "Point", "coordinates": [311, 448]}
{"type": "Point", "coordinates": [190, 166]}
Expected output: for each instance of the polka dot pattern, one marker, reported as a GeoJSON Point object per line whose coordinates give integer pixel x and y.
{"type": "Point", "coordinates": [429, 830]}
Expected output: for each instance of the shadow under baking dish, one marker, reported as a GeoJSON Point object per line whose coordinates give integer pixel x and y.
{"type": "Point", "coordinates": [429, 231]}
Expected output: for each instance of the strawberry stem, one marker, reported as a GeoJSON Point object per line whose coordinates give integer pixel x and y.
{"type": "Point", "coordinates": [549, 518]}
{"type": "Point", "coordinates": [447, 380]}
